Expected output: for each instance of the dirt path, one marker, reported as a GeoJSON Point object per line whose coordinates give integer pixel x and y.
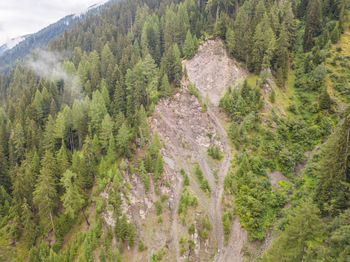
{"type": "Point", "coordinates": [174, 221]}
{"type": "Point", "coordinates": [215, 201]}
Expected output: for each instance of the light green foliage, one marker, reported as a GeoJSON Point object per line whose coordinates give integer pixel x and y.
{"type": "Point", "coordinates": [303, 231]}
{"type": "Point", "coordinates": [186, 200]}
{"type": "Point", "coordinates": [215, 153]}
{"type": "Point", "coordinates": [204, 183]}
{"type": "Point", "coordinates": [159, 207]}
{"type": "Point", "coordinates": [255, 203]}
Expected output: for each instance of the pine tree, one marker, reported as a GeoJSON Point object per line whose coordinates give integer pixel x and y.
{"type": "Point", "coordinates": [111, 151]}
{"type": "Point", "coordinates": [155, 145]}
{"type": "Point", "coordinates": [302, 231]}
{"type": "Point", "coordinates": [45, 193]}
{"type": "Point", "coordinates": [144, 129]}
{"type": "Point", "coordinates": [243, 32]}
{"type": "Point", "coordinates": [62, 160]}
{"type": "Point", "coordinates": [264, 46]}
{"type": "Point", "coordinates": [98, 110]}
{"type": "Point", "coordinates": [123, 140]}
{"type": "Point", "coordinates": [49, 142]}
{"type": "Point", "coordinates": [28, 224]}
{"type": "Point", "coordinates": [289, 24]}
{"type": "Point", "coordinates": [17, 140]}
{"type": "Point", "coordinates": [282, 63]}
{"type": "Point", "coordinates": [165, 88]}
{"type": "Point", "coordinates": [325, 100]}
{"type": "Point", "coordinates": [313, 23]}
{"type": "Point", "coordinates": [73, 198]}
{"type": "Point", "coordinates": [105, 131]}
{"type": "Point", "coordinates": [189, 48]}
{"type": "Point", "coordinates": [5, 180]}
{"type": "Point", "coordinates": [332, 193]}
{"type": "Point", "coordinates": [158, 167]}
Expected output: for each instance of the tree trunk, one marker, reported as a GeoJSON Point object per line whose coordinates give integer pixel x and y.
{"type": "Point", "coordinates": [51, 220]}
{"type": "Point", "coordinates": [87, 222]}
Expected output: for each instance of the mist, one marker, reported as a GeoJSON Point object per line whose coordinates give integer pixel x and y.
{"type": "Point", "coordinates": [50, 65]}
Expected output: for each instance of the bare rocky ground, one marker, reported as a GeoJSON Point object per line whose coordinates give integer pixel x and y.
{"type": "Point", "coordinates": [186, 133]}
{"type": "Point", "coordinates": [213, 71]}
{"type": "Point", "coordinates": [185, 129]}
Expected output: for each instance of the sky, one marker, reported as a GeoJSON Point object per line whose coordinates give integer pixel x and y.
{"type": "Point", "coordinates": [21, 17]}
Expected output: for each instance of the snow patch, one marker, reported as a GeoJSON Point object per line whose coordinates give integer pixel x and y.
{"type": "Point", "coordinates": [85, 9]}
{"type": "Point", "coordinates": [11, 43]}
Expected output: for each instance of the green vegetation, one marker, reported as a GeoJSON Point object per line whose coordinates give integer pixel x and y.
{"type": "Point", "coordinates": [203, 182]}
{"type": "Point", "coordinates": [215, 153]}
{"type": "Point", "coordinates": [186, 200]}
{"type": "Point", "coordinates": [79, 133]}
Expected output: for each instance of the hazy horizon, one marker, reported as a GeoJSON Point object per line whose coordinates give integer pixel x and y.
{"type": "Point", "coordinates": [22, 17]}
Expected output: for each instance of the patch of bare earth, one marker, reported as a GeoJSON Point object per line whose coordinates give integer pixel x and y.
{"type": "Point", "coordinates": [213, 71]}
{"type": "Point", "coordinates": [185, 130]}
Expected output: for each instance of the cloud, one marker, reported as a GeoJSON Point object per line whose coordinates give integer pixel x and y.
{"type": "Point", "coordinates": [50, 65]}
{"type": "Point", "coordinates": [21, 17]}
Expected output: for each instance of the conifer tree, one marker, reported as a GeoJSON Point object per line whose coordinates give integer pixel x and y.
{"type": "Point", "coordinates": [155, 145]}
{"type": "Point", "coordinates": [264, 46]}
{"type": "Point", "coordinates": [62, 160]}
{"type": "Point", "coordinates": [144, 129]}
{"type": "Point", "coordinates": [313, 23]}
{"type": "Point", "coordinates": [325, 100]}
{"type": "Point", "coordinates": [189, 48]}
{"type": "Point", "coordinates": [28, 224]}
{"type": "Point", "coordinates": [123, 139]}
{"type": "Point", "coordinates": [165, 88]}
{"type": "Point", "coordinates": [304, 227]}
{"type": "Point", "coordinates": [73, 198]}
{"type": "Point", "coordinates": [45, 193]}
{"type": "Point", "coordinates": [332, 193]}
{"type": "Point", "coordinates": [105, 131]}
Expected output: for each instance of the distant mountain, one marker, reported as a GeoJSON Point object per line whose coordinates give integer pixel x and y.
{"type": "Point", "coordinates": [11, 44]}
{"type": "Point", "coordinates": [17, 48]}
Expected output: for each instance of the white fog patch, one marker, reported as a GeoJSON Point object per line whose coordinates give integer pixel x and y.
{"type": "Point", "coordinates": [50, 65]}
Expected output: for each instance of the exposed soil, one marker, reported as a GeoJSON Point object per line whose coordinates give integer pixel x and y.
{"type": "Point", "coordinates": [213, 71]}
{"type": "Point", "coordinates": [275, 177]}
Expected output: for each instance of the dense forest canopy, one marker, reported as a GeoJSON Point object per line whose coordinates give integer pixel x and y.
{"type": "Point", "coordinates": [70, 113]}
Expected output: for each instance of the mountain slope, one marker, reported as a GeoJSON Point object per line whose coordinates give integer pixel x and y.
{"type": "Point", "coordinates": [19, 47]}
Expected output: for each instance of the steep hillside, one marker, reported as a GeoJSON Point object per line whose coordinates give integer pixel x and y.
{"type": "Point", "coordinates": [135, 136]}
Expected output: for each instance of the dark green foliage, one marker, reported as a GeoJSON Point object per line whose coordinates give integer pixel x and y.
{"type": "Point", "coordinates": [312, 24]}
{"type": "Point", "coordinates": [304, 229]}
{"type": "Point", "coordinates": [333, 187]}
{"type": "Point", "coordinates": [125, 231]}
{"type": "Point", "coordinates": [241, 101]}
{"type": "Point", "coordinates": [325, 100]}
{"type": "Point", "coordinates": [190, 45]}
